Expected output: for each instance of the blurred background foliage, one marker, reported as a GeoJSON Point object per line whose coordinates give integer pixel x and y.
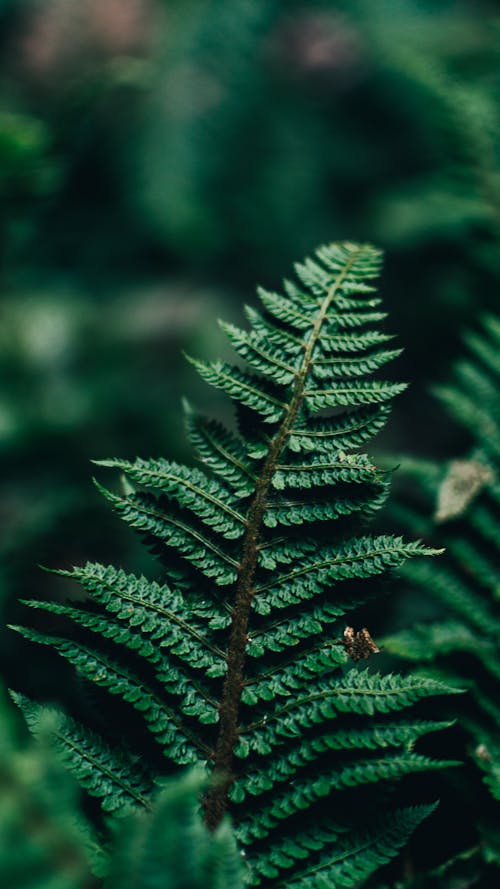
{"type": "Point", "coordinates": [49, 841]}
{"type": "Point", "coordinates": [158, 158]}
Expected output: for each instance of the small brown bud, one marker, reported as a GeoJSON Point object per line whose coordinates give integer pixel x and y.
{"type": "Point", "coordinates": [359, 645]}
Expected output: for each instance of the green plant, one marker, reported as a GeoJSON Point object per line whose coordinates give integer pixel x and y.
{"type": "Point", "coordinates": [47, 843]}
{"type": "Point", "coordinates": [44, 840]}
{"type": "Point", "coordinates": [171, 847]}
{"type": "Point", "coordinates": [236, 658]}
{"type": "Point", "coordinates": [458, 504]}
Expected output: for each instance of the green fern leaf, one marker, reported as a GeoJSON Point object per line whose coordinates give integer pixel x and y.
{"type": "Point", "coordinates": [239, 661]}
{"type": "Point", "coordinates": [169, 846]}
{"type": "Point", "coordinates": [354, 858]}
{"type": "Point", "coordinates": [221, 452]}
{"type": "Point", "coordinates": [458, 503]}
{"type": "Point", "coordinates": [144, 513]}
{"type": "Point", "coordinates": [120, 781]}
{"type": "Point", "coordinates": [194, 700]}
{"type": "Point", "coordinates": [341, 368]}
{"type": "Point", "coordinates": [249, 390]}
{"type": "Point", "coordinates": [253, 349]}
{"type": "Point", "coordinates": [191, 488]}
{"type": "Point", "coordinates": [349, 394]}
{"type": "Point", "coordinates": [339, 432]}
{"type": "Point", "coordinates": [178, 742]}
{"type": "Point", "coordinates": [161, 614]}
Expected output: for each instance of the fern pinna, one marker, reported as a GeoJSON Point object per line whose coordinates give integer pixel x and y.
{"type": "Point", "coordinates": [458, 503]}
{"type": "Point", "coordinates": [243, 665]}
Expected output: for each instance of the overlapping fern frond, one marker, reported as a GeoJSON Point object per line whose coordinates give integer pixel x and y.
{"type": "Point", "coordinates": [459, 505]}
{"type": "Point", "coordinates": [171, 847]}
{"type": "Point", "coordinates": [236, 658]}
{"type": "Point", "coordinates": [46, 842]}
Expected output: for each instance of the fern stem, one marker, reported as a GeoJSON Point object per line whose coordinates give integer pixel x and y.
{"type": "Point", "coordinates": [216, 799]}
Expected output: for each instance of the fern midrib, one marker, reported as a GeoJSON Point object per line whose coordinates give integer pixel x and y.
{"type": "Point", "coordinates": [216, 800]}
{"type": "Point", "coordinates": [243, 385]}
{"type": "Point", "coordinates": [104, 625]}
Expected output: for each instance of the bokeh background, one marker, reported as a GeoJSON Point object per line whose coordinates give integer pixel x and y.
{"type": "Point", "coordinates": [158, 158]}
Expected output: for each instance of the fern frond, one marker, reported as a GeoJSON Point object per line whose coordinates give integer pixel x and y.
{"type": "Point", "coordinates": [289, 343]}
{"type": "Point", "coordinates": [339, 368]}
{"type": "Point", "coordinates": [426, 642]}
{"type": "Point", "coordinates": [144, 513]}
{"type": "Point", "coordinates": [360, 557]}
{"type": "Point", "coordinates": [169, 846]}
{"type": "Point", "coordinates": [339, 859]}
{"type": "Point", "coordinates": [451, 588]}
{"type": "Point", "coordinates": [352, 342]}
{"type": "Point", "coordinates": [239, 661]}
{"type": "Point", "coordinates": [221, 452]}
{"type": "Point", "coordinates": [339, 432]}
{"type": "Point", "coordinates": [288, 512]}
{"type": "Point", "coordinates": [459, 504]}
{"type": "Point", "coordinates": [212, 502]}
{"type": "Point", "coordinates": [119, 780]}
{"type": "Point", "coordinates": [351, 394]}
{"type": "Point", "coordinates": [250, 390]}
{"type": "Point", "coordinates": [194, 699]}
{"type": "Point", "coordinates": [178, 741]}
{"type": "Point", "coordinates": [285, 310]}
{"type": "Point", "coordinates": [253, 350]}
{"type": "Point", "coordinates": [46, 842]}
{"type": "Point", "coordinates": [351, 469]}
{"type": "Point", "coordinates": [304, 794]}
{"type": "Point", "coordinates": [358, 691]}
{"type": "Point", "coordinates": [161, 614]}
{"type": "Point", "coordinates": [295, 762]}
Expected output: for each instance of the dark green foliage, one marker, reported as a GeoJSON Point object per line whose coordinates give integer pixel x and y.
{"type": "Point", "coordinates": [130, 177]}
{"type": "Point", "coordinates": [458, 504]}
{"type": "Point", "coordinates": [101, 770]}
{"type": "Point", "coordinates": [47, 843]}
{"type": "Point", "coordinates": [171, 848]}
{"type": "Point", "coordinates": [237, 659]}
{"type": "Point", "coordinates": [228, 142]}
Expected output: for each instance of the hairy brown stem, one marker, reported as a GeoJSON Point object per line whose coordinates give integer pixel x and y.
{"type": "Point", "coordinates": [216, 799]}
